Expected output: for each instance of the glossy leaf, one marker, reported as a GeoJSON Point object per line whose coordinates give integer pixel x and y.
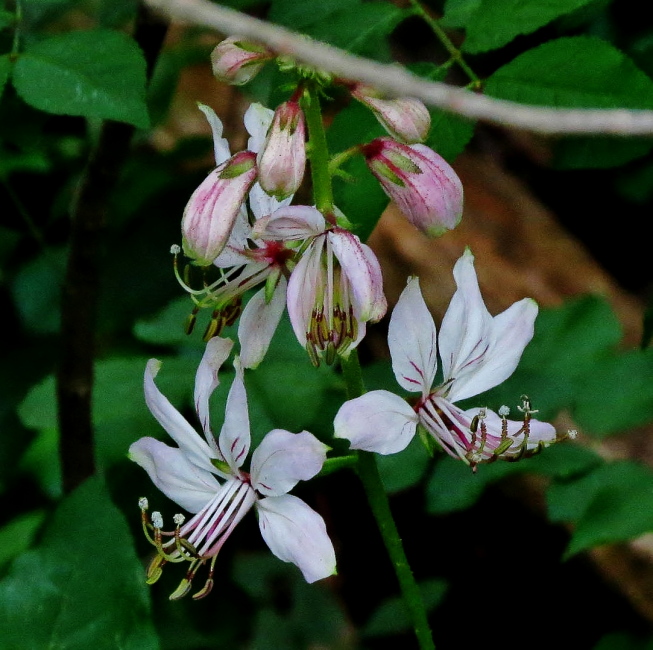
{"type": "Point", "coordinates": [94, 73]}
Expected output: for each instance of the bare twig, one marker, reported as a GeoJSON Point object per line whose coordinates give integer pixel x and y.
{"type": "Point", "coordinates": [396, 80]}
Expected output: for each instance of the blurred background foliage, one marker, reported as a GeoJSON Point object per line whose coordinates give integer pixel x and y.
{"type": "Point", "coordinates": [72, 564]}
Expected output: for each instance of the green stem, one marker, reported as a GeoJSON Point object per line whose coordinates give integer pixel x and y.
{"type": "Point", "coordinates": [368, 473]}
{"type": "Point", "coordinates": [446, 42]}
{"type": "Point", "coordinates": [319, 152]}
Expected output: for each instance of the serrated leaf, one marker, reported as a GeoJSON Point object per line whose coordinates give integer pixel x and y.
{"type": "Point", "coordinates": [94, 73]}
{"type": "Point", "coordinates": [361, 28]}
{"type": "Point", "coordinates": [62, 595]}
{"type": "Point", "coordinates": [579, 71]}
{"type": "Point", "coordinates": [486, 27]}
{"type": "Point", "coordinates": [611, 504]}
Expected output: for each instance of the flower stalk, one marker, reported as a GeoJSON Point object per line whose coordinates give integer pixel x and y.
{"type": "Point", "coordinates": [368, 472]}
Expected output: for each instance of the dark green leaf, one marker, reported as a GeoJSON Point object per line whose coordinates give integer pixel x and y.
{"type": "Point", "coordinates": [392, 616]}
{"type": "Point", "coordinates": [360, 28]}
{"type": "Point", "coordinates": [5, 69]}
{"type": "Point", "coordinates": [403, 470]}
{"type": "Point", "coordinates": [18, 534]}
{"type": "Point", "coordinates": [579, 72]}
{"type": "Point", "coordinates": [610, 504]}
{"type": "Point", "coordinates": [63, 595]}
{"type": "Point", "coordinates": [485, 21]}
{"type": "Point", "coordinates": [95, 73]}
{"type": "Point", "coordinates": [298, 15]}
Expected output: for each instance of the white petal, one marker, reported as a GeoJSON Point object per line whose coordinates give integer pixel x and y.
{"type": "Point", "coordinates": [216, 352]}
{"type": "Point", "coordinates": [232, 254]}
{"type": "Point", "coordinates": [262, 204]}
{"type": "Point", "coordinates": [412, 340]}
{"type": "Point", "coordinates": [172, 473]}
{"type": "Point", "coordinates": [466, 326]}
{"type": "Point", "coordinates": [257, 122]}
{"type": "Point", "coordinates": [283, 458]}
{"type": "Point", "coordinates": [296, 533]}
{"type": "Point", "coordinates": [194, 447]}
{"type": "Point", "coordinates": [379, 302]}
{"type": "Point", "coordinates": [302, 289]}
{"type": "Point", "coordinates": [235, 436]}
{"type": "Point", "coordinates": [378, 421]}
{"type": "Point", "coordinates": [220, 144]}
{"type": "Point", "coordinates": [289, 223]}
{"type": "Point", "coordinates": [354, 261]}
{"type": "Point", "coordinates": [510, 332]}
{"type": "Point", "coordinates": [258, 323]}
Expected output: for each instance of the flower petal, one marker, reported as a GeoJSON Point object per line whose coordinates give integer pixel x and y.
{"type": "Point", "coordinates": [258, 322]}
{"type": "Point", "coordinates": [283, 458]}
{"type": "Point", "coordinates": [292, 222]}
{"type": "Point", "coordinates": [262, 204]}
{"type": "Point", "coordinates": [216, 352]}
{"type": "Point", "coordinates": [257, 122]}
{"type": "Point", "coordinates": [172, 473]}
{"type": "Point", "coordinates": [302, 288]}
{"type": "Point", "coordinates": [194, 447]}
{"type": "Point", "coordinates": [235, 436]}
{"type": "Point", "coordinates": [377, 421]}
{"type": "Point", "coordinates": [220, 144]}
{"type": "Point", "coordinates": [412, 340]}
{"type": "Point", "coordinates": [296, 533]}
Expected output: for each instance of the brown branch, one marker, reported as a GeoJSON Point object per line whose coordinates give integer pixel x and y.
{"type": "Point", "coordinates": [396, 80]}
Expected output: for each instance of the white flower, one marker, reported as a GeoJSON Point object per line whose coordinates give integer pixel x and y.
{"type": "Point", "coordinates": [477, 351]}
{"type": "Point", "coordinates": [205, 476]}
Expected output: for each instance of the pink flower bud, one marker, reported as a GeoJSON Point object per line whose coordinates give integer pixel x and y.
{"type": "Point", "coordinates": [236, 61]}
{"type": "Point", "coordinates": [422, 184]}
{"type": "Point", "coordinates": [282, 159]}
{"type": "Point", "coordinates": [405, 118]}
{"type": "Point", "coordinates": [211, 212]}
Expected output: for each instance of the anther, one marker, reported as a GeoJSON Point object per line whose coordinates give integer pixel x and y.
{"type": "Point", "coordinates": [143, 504]}
{"type": "Point", "coordinates": [504, 411]}
{"type": "Point", "coordinates": [157, 519]}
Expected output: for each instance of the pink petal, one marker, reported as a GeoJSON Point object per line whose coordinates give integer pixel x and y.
{"type": "Point", "coordinates": [412, 340]}
{"type": "Point", "coordinates": [283, 458]}
{"type": "Point", "coordinates": [258, 323]}
{"type": "Point", "coordinates": [378, 421]}
{"type": "Point", "coordinates": [296, 533]}
{"type": "Point", "coordinates": [190, 442]}
{"type": "Point", "coordinates": [172, 473]}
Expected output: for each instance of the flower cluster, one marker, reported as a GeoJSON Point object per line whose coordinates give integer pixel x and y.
{"type": "Point", "coordinates": [241, 226]}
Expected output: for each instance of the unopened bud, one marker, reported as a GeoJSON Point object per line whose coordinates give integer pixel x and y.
{"type": "Point", "coordinates": [404, 118]}
{"type": "Point", "coordinates": [235, 60]}
{"type": "Point", "coordinates": [282, 159]}
{"type": "Point", "coordinates": [422, 183]}
{"type": "Point", "coordinates": [211, 212]}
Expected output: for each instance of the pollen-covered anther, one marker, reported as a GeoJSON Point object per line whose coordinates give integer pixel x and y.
{"type": "Point", "coordinates": [572, 434]}
{"type": "Point", "coordinates": [175, 249]}
{"type": "Point", "coordinates": [143, 504]}
{"type": "Point", "coordinates": [157, 520]}
{"type": "Point", "coordinates": [504, 411]}
{"type": "Point", "coordinates": [179, 519]}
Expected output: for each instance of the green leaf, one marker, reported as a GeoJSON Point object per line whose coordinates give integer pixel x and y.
{"type": "Point", "coordinates": [63, 595]}
{"type": "Point", "coordinates": [579, 72]}
{"type": "Point", "coordinates": [95, 73]}
{"type": "Point", "coordinates": [487, 28]}
{"type": "Point", "coordinates": [574, 72]}
{"type": "Point", "coordinates": [298, 15]}
{"type": "Point", "coordinates": [613, 503]}
{"type": "Point", "coordinates": [612, 398]}
{"type": "Point", "coordinates": [5, 69]}
{"type": "Point", "coordinates": [361, 28]}
{"type": "Point", "coordinates": [18, 534]}
{"type": "Point", "coordinates": [392, 616]}
{"type": "Point", "coordinates": [403, 470]}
